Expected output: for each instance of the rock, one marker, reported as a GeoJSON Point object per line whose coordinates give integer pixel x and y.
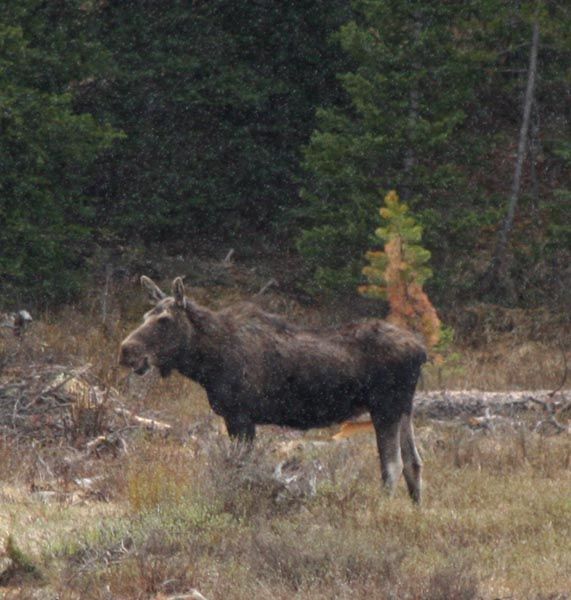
{"type": "Point", "coordinates": [298, 478]}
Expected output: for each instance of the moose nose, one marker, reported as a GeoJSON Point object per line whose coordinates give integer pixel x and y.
{"type": "Point", "coordinates": [129, 354]}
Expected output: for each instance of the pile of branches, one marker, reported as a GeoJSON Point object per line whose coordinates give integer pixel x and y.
{"type": "Point", "coordinates": [54, 402]}
{"type": "Point", "coordinates": [49, 403]}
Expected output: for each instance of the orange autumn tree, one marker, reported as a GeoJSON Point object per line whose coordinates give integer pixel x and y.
{"type": "Point", "coordinates": [398, 272]}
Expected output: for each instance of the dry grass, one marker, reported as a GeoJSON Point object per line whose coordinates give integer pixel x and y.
{"type": "Point", "coordinates": [504, 365]}
{"type": "Point", "coordinates": [195, 511]}
{"type": "Point", "coordinates": [495, 507]}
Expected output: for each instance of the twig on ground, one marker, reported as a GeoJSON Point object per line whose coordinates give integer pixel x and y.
{"type": "Point", "coordinates": [152, 424]}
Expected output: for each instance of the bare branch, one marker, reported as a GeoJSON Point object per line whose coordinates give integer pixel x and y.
{"type": "Point", "coordinates": [267, 286]}
{"type": "Point", "coordinates": [228, 257]}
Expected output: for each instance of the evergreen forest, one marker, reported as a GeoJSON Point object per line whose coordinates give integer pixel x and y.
{"type": "Point", "coordinates": [126, 123]}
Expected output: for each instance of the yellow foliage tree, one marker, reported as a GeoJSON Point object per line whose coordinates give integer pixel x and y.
{"type": "Point", "coordinates": [398, 272]}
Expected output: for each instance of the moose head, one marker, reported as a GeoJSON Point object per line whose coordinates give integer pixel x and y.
{"type": "Point", "coordinates": [166, 333]}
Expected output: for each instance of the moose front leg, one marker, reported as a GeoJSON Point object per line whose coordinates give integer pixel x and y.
{"type": "Point", "coordinates": [240, 427]}
{"type": "Point", "coordinates": [227, 402]}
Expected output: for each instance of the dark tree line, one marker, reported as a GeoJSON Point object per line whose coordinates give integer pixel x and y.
{"type": "Point", "coordinates": [142, 121]}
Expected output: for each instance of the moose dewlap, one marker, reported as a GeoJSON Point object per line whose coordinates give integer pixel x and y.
{"type": "Point", "coordinates": [257, 368]}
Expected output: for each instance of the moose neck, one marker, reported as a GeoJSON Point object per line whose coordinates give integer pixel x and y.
{"type": "Point", "coordinates": [200, 358]}
{"type": "Point", "coordinates": [199, 316]}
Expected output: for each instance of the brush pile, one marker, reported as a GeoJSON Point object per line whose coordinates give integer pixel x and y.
{"type": "Point", "coordinates": [47, 402]}
{"type": "Point", "coordinates": [55, 403]}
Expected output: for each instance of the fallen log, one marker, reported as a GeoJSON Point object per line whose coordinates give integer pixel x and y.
{"type": "Point", "coordinates": [464, 403]}
{"type": "Point", "coordinates": [481, 409]}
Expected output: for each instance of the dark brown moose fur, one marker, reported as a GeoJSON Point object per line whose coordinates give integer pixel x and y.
{"type": "Point", "coordinates": [257, 368]}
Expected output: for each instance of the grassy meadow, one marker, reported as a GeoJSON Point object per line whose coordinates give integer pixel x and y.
{"type": "Point", "coordinates": [168, 514]}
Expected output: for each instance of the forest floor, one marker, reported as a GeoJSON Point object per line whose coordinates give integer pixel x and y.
{"type": "Point", "coordinates": [116, 486]}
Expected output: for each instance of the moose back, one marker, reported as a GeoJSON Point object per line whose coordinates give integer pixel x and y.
{"type": "Point", "coordinates": [257, 368]}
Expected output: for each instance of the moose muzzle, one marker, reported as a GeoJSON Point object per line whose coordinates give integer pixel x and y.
{"type": "Point", "coordinates": [132, 355]}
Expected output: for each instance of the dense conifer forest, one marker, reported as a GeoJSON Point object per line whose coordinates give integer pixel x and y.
{"type": "Point", "coordinates": [126, 123]}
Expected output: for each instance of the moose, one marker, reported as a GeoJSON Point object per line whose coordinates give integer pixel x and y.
{"type": "Point", "coordinates": [258, 368]}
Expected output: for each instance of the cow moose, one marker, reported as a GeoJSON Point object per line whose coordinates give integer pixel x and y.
{"type": "Point", "coordinates": [257, 368]}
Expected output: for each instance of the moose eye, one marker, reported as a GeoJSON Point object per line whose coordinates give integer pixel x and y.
{"type": "Point", "coordinates": [163, 320]}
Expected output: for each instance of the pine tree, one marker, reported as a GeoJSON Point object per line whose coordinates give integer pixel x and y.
{"type": "Point", "coordinates": [398, 272]}
{"type": "Point", "coordinates": [216, 99]}
{"type": "Point", "coordinates": [400, 126]}
{"type": "Point", "coordinates": [46, 152]}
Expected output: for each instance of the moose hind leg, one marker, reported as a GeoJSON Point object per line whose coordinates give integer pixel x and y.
{"type": "Point", "coordinates": [388, 443]}
{"type": "Point", "coordinates": [412, 463]}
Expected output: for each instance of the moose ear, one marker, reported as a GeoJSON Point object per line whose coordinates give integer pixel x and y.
{"type": "Point", "coordinates": [178, 291]}
{"type": "Point", "coordinates": [154, 291]}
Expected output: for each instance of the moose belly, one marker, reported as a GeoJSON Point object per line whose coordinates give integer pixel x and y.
{"type": "Point", "coordinates": [308, 406]}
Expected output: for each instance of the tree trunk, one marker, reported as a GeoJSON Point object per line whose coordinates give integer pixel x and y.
{"type": "Point", "coordinates": [534, 145]}
{"type": "Point", "coordinates": [495, 277]}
